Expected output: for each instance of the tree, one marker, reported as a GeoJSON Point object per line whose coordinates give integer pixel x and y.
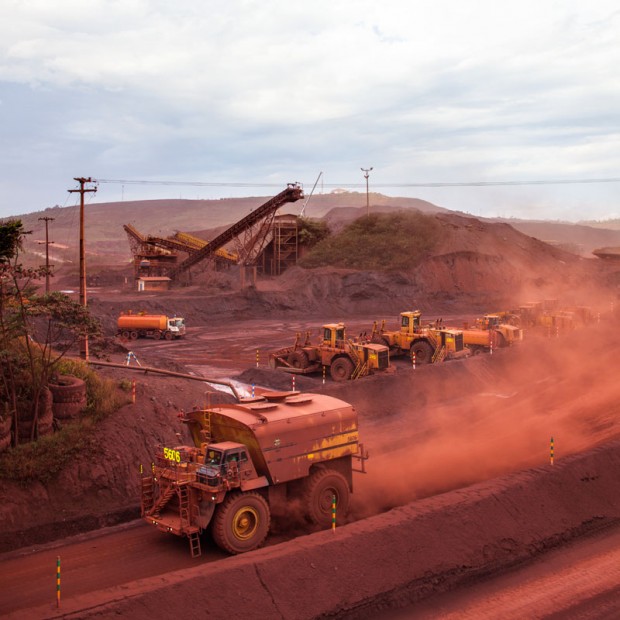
{"type": "Point", "coordinates": [36, 331]}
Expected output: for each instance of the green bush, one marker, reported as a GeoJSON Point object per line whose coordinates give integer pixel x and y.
{"type": "Point", "coordinates": [382, 242]}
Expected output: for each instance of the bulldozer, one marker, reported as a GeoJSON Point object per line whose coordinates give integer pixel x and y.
{"type": "Point", "coordinates": [425, 344]}
{"type": "Point", "coordinates": [345, 358]}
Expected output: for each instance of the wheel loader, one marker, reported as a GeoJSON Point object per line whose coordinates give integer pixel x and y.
{"type": "Point", "coordinates": [345, 358]}
{"type": "Point", "coordinates": [425, 344]}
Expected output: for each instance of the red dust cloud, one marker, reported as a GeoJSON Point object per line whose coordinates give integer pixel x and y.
{"type": "Point", "coordinates": [467, 421]}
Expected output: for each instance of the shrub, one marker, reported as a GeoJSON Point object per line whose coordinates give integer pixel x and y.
{"type": "Point", "coordinates": [381, 242]}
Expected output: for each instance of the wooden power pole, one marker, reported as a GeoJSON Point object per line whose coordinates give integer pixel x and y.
{"type": "Point", "coordinates": [47, 254]}
{"type": "Point", "coordinates": [82, 190]}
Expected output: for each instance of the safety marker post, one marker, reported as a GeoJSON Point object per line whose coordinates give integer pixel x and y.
{"type": "Point", "coordinates": [413, 360]}
{"type": "Point", "coordinates": [324, 375]}
{"type": "Point", "coordinates": [293, 383]}
{"type": "Point", "coordinates": [333, 513]}
{"type": "Point", "coordinates": [252, 390]}
{"type": "Point", "coordinates": [551, 453]}
{"type": "Point", "coordinates": [256, 358]}
{"type": "Point", "coordinates": [58, 581]}
{"type": "Point", "coordinates": [133, 391]}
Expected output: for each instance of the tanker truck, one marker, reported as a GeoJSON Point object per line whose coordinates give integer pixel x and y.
{"type": "Point", "coordinates": [251, 459]}
{"type": "Point", "coordinates": [132, 326]}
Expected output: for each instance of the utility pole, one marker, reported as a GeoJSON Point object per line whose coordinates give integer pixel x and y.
{"type": "Point", "coordinates": [82, 181]}
{"type": "Point", "coordinates": [47, 254]}
{"type": "Point", "coordinates": [366, 172]}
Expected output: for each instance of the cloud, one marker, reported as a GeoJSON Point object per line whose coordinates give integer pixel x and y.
{"type": "Point", "coordinates": [248, 90]}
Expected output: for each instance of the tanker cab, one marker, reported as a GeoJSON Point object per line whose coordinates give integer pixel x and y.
{"type": "Point", "coordinates": [176, 325]}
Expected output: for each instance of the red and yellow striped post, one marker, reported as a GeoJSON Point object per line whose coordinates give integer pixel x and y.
{"type": "Point", "coordinates": [333, 513]}
{"type": "Point", "coordinates": [58, 581]}
{"type": "Point", "coordinates": [256, 358]}
{"type": "Point", "coordinates": [324, 374]}
{"type": "Point", "coordinates": [413, 360]}
{"type": "Point", "coordinates": [133, 391]}
{"type": "Point", "coordinates": [293, 383]}
{"type": "Point", "coordinates": [551, 451]}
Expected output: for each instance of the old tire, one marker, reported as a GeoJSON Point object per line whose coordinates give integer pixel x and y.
{"type": "Point", "coordinates": [5, 432]}
{"type": "Point", "coordinates": [380, 340]}
{"type": "Point", "coordinates": [241, 522]}
{"type": "Point", "coordinates": [341, 369]}
{"type": "Point", "coordinates": [423, 352]}
{"type": "Point", "coordinates": [68, 411]}
{"type": "Point", "coordinates": [298, 359]}
{"type": "Point", "coordinates": [45, 419]}
{"type": "Point", "coordinates": [319, 492]}
{"type": "Point", "coordinates": [68, 389]}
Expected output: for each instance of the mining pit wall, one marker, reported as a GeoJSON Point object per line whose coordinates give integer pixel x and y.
{"type": "Point", "coordinates": [387, 561]}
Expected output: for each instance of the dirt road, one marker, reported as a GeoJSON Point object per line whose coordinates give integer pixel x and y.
{"type": "Point", "coordinates": [582, 580]}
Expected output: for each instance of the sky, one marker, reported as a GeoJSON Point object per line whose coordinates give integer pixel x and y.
{"type": "Point", "coordinates": [507, 108]}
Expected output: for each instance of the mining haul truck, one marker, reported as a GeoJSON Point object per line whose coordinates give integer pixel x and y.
{"type": "Point", "coordinates": [132, 326]}
{"type": "Point", "coordinates": [250, 459]}
{"type": "Point", "coordinates": [346, 359]}
{"type": "Point", "coordinates": [491, 332]}
{"type": "Point", "coordinates": [424, 344]}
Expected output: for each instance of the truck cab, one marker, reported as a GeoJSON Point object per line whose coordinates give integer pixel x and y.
{"type": "Point", "coordinates": [176, 326]}
{"type": "Point", "coordinates": [410, 322]}
{"type": "Point", "coordinates": [334, 335]}
{"type": "Point", "coordinates": [225, 465]}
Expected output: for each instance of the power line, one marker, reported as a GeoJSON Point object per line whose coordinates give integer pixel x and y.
{"type": "Point", "coordinates": [376, 185]}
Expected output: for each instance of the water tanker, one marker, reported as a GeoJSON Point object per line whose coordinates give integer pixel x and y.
{"type": "Point", "coordinates": [252, 459]}
{"type": "Point", "coordinates": [132, 326]}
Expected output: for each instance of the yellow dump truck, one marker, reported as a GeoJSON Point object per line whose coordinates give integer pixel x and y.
{"type": "Point", "coordinates": [249, 459]}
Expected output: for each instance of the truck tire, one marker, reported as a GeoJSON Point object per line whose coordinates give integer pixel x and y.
{"type": "Point", "coordinates": [68, 389]}
{"type": "Point", "coordinates": [168, 335]}
{"type": "Point", "coordinates": [341, 369]}
{"type": "Point", "coordinates": [241, 522]}
{"type": "Point", "coordinates": [126, 334]}
{"type": "Point", "coordinates": [320, 489]}
{"type": "Point", "coordinates": [133, 335]}
{"type": "Point", "coordinates": [298, 359]}
{"type": "Point", "coordinates": [423, 352]}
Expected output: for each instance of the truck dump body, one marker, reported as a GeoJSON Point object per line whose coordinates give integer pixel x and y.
{"type": "Point", "coordinates": [285, 435]}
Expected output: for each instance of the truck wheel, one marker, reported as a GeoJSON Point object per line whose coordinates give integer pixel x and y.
{"type": "Point", "coordinates": [241, 522]}
{"type": "Point", "coordinates": [321, 488]}
{"type": "Point", "coordinates": [341, 369]}
{"type": "Point", "coordinates": [298, 359]}
{"type": "Point", "coordinates": [168, 335]}
{"type": "Point", "coordinates": [423, 352]}
{"type": "Point", "coordinates": [157, 335]}
{"type": "Point", "coordinates": [133, 335]}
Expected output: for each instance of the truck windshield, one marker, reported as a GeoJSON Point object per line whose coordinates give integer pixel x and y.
{"type": "Point", "coordinates": [176, 322]}
{"type": "Point", "coordinates": [214, 457]}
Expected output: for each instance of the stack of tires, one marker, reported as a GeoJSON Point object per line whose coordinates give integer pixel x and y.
{"type": "Point", "coordinates": [45, 419]}
{"type": "Point", "coordinates": [69, 397]}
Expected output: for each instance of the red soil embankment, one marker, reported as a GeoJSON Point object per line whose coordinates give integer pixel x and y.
{"type": "Point", "coordinates": [389, 560]}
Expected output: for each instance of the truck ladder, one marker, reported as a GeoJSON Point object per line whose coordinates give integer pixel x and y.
{"type": "Point", "coordinates": [194, 544]}
{"type": "Point", "coordinates": [162, 500]}
{"type": "Point", "coordinates": [439, 355]}
{"type": "Point", "coordinates": [184, 504]}
{"type": "Point", "coordinates": [147, 487]}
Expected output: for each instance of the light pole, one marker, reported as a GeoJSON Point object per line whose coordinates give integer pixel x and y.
{"type": "Point", "coordinates": [366, 172]}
